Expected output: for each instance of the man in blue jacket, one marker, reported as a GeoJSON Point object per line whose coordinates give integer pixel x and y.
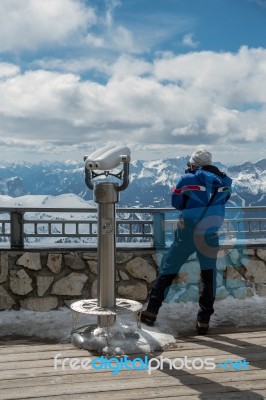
{"type": "Point", "coordinates": [201, 195]}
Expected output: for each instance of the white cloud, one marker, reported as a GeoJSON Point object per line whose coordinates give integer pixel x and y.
{"type": "Point", "coordinates": [29, 24]}
{"type": "Point", "coordinates": [128, 65]}
{"type": "Point", "coordinates": [188, 40]}
{"type": "Point", "coordinates": [37, 94]}
{"type": "Point", "coordinates": [231, 79]}
{"type": "Point", "coordinates": [221, 121]}
{"type": "Point", "coordinates": [8, 70]}
{"type": "Point", "coordinates": [201, 98]}
{"type": "Point", "coordinates": [122, 40]}
{"type": "Point", "coordinates": [110, 7]}
{"type": "Point", "coordinates": [112, 36]}
{"type": "Point", "coordinates": [34, 25]}
{"type": "Point", "coordinates": [75, 27]}
{"type": "Point", "coordinates": [94, 41]}
{"type": "Point", "coordinates": [75, 65]}
{"type": "Point", "coordinates": [171, 102]}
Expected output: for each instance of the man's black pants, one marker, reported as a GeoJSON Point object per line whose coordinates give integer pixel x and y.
{"type": "Point", "coordinates": [186, 243]}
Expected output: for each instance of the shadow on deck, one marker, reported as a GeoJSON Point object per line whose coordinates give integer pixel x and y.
{"type": "Point", "coordinates": [28, 372]}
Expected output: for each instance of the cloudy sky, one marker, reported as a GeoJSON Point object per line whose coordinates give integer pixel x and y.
{"type": "Point", "coordinates": [161, 76]}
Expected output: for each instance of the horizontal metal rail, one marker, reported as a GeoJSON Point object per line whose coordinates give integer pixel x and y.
{"type": "Point", "coordinates": [51, 227]}
{"type": "Point", "coordinates": [232, 226]}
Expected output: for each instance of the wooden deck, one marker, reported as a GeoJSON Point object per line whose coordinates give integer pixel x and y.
{"type": "Point", "coordinates": [27, 371]}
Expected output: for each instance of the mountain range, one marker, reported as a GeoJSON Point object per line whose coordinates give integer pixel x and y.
{"type": "Point", "coordinates": [151, 182]}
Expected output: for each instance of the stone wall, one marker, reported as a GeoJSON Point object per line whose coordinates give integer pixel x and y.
{"type": "Point", "coordinates": [46, 280]}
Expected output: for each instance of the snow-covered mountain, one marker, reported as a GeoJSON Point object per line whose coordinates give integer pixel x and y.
{"type": "Point", "coordinates": [151, 182]}
{"type": "Point", "coordinates": [69, 200]}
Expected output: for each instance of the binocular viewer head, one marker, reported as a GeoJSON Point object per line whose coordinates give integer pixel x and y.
{"type": "Point", "coordinates": [107, 158]}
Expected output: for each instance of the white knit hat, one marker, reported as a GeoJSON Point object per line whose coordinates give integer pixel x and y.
{"type": "Point", "coordinates": [200, 158]}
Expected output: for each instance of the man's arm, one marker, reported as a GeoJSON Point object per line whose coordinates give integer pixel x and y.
{"type": "Point", "coordinates": [178, 195]}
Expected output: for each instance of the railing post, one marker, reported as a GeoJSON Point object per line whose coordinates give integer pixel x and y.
{"type": "Point", "coordinates": [16, 228]}
{"type": "Point", "coordinates": [159, 230]}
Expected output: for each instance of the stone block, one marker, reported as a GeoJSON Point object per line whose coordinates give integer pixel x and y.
{"type": "Point", "coordinates": [43, 284]}
{"type": "Point", "coordinates": [181, 279]}
{"type": "Point", "coordinates": [6, 301]}
{"type": "Point", "coordinates": [136, 291]}
{"type": "Point", "coordinates": [20, 282]}
{"type": "Point", "coordinates": [233, 279]}
{"type": "Point", "coordinates": [70, 285]}
{"type": "Point", "coordinates": [92, 266]}
{"type": "Point", "coordinates": [54, 262]}
{"type": "Point", "coordinates": [250, 292]}
{"type": "Point", "coordinates": [221, 293]}
{"type": "Point", "coordinates": [221, 260]}
{"type": "Point", "coordinates": [261, 253]}
{"type": "Point", "coordinates": [219, 279]}
{"type": "Point", "coordinates": [256, 271]}
{"type": "Point", "coordinates": [139, 268]}
{"type": "Point", "coordinates": [248, 252]}
{"type": "Point", "coordinates": [73, 261]}
{"type": "Point", "coordinates": [40, 304]}
{"type": "Point", "coordinates": [234, 256]}
{"type": "Point", "coordinates": [244, 261]}
{"type": "Point", "coordinates": [30, 260]}
{"type": "Point", "coordinates": [123, 257]}
{"type": "Point", "coordinates": [240, 293]}
{"type": "Point", "coordinates": [90, 256]}
{"type": "Point", "coordinates": [261, 289]}
{"type": "Point", "coordinates": [124, 276]}
{"type": "Point", "coordinates": [192, 269]}
{"type": "Point", "coordinates": [191, 294]}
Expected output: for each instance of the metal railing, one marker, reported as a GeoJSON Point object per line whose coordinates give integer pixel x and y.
{"type": "Point", "coordinates": [150, 227]}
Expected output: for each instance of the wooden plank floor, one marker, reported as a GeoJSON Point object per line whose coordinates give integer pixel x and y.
{"type": "Point", "coordinates": [27, 371]}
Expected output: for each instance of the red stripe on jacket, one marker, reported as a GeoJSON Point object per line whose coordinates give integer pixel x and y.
{"type": "Point", "coordinates": [189, 187]}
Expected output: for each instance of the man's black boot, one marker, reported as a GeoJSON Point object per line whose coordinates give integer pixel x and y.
{"type": "Point", "coordinates": [202, 327]}
{"type": "Point", "coordinates": [148, 317]}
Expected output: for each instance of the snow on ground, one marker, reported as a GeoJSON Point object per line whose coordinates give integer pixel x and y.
{"type": "Point", "coordinates": [173, 319]}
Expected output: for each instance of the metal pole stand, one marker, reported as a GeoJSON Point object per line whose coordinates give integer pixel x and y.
{"type": "Point", "coordinates": [109, 336]}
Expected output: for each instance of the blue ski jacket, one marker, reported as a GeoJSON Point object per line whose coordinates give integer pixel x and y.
{"type": "Point", "coordinates": [192, 193]}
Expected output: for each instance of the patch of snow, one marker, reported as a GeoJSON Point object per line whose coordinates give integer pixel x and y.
{"type": "Point", "coordinates": [145, 173]}
{"type": "Point", "coordinates": [172, 319]}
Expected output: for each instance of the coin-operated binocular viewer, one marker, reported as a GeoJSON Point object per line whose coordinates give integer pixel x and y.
{"type": "Point", "coordinates": [106, 195]}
